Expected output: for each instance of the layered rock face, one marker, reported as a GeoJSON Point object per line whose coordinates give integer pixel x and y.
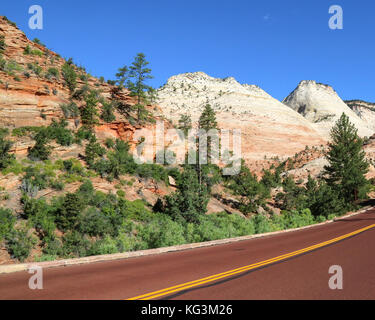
{"type": "Point", "coordinates": [31, 96]}
{"type": "Point", "coordinates": [21, 102]}
{"type": "Point", "coordinates": [269, 128]}
{"type": "Point", "coordinates": [321, 105]}
{"type": "Point", "coordinates": [364, 110]}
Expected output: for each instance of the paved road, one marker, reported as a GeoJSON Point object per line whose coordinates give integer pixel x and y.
{"type": "Point", "coordinates": [295, 276]}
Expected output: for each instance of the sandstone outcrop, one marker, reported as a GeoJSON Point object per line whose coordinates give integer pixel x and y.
{"type": "Point", "coordinates": [322, 106]}
{"type": "Point", "coordinates": [269, 128]}
{"type": "Point", "coordinates": [364, 110]}
{"type": "Point", "coordinates": [32, 98]}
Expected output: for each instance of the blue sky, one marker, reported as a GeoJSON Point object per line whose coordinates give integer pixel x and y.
{"type": "Point", "coordinates": [271, 43]}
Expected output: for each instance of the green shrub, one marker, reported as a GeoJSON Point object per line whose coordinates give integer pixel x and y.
{"type": "Point", "coordinates": [37, 69]}
{"type": "Point", "coordinates": [75, 245]}
{"type": "Point", "coordinates": [36, 177]}
{"type": "Point", "coordinates": [222, 225]}
{"type": "Point", "coordinates": [154, 171]}
{"type": "Point", "coordinates": [262, 224]}
{"type": "Point", "coordinates": [326, 201]}
{"type": "Point", "coordinates": [3, 63]}
{"type": "Point", "coordinates": [34, 52]}
{"type": "Point", "coordinates": [19, 244]}
{"type": "Point", "coordinates": [57, 185]}
{"type": "Point", "coordinates": [14, 167]}
{"type": "Point", "coordinates": [53, 247]}
{"type": "Point", "coordinates": [45, 257]}
{"type": "Point", "coordinates": [81, 93]}
{"type": "Point", "coordinates": [190, 201]}
{"type": "Point", "coordinates": [6, 157]}
{"type": "Point", "coordinates": [89, 112]}
{"type": "Point", "coordinates": [86, 190]}
{"type": "Point", "coordinates": [293, 219]}
{"type": "Point", "coordinates": [121, 193]}
{"type": "Point", "coordinates": [95, 223]}
{"type": "Point", "coordinates": [2, 44]}
{"type": "Point", "coordinates": [52, 73]}
{"type": "Point", "coordinates": [59, 132]}
{"type": "Point", "coordinates": [10, 22]}
{"type": "Point", "coordinates": [40, 151]}
{"type": "Point", "coordinates": [68, 165]}
{"type": "Point", "coordinates": [83, 77]}
{"type": "Point", "coordinates": [133, 210]}
{"type": "Point", "coordinates": [127, 240]}
{"type": "Point", "coordinates": [37, 41]}
{"type": "Point", "coordinates": [109, 143]}
{"type": "Point", "coordinates": [69, 76]}
{"type": "Point", "coordinates": [107, 245]}
{"type": "Point", "coordinates": [252, 193]}
{"type": "Point", "coordinates": [44, 224]}
{"type": "Point", "coordinates": [11, 67]}
{"type": "Point", "coordinates": [7, 221]}
{"type": "Point", "coordinates": [84, 133]}
{"type": "Point", "coordinates": [207, 230]}
{"type": "Point", "coordinates": [27, 50]}
{"type": "Point", "coordinates": [24, 131]}
{"type": "Point", "coordinates": [93, 150]}
{"type": "Point", "coordinates": [161, 231]}
{"type": "Point", "coordinates": [107, 114]}
{"type": "Point", "coordinates": [69, 215]}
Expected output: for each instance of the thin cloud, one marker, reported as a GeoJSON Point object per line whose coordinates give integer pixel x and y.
{"type": "Point", "coordinates": [267, 17]}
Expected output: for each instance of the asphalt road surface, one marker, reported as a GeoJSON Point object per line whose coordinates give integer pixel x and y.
{"type": "Point", "coordinates": [292, 265]}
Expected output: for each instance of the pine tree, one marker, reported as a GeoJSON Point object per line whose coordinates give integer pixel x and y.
{"type": "Point", "coordinates": [122, 76]}
{"type": "Point", "coordinates": [69, 75]}
{"type": "Point", "coordinates": [347, 163]}
{"type": "Point", "coordinates": [89, 113]}
{"type": "Point", "coordinates": [184, 124]}
{"type": "Point", "coordinates": [207, 121]}
{"type": "Point", "coordinates": [107, 112]}
{"type": "Point", "coordinates": [152, 96]}
{"type": "Point", "coordinates": [140, 73]}
{"type": "Point", "coordinates": [93, 150]}
{"type": "Point", "coordinates": [325, 201]}
{"type": "Point", "coordinates": [252, 193]}
{"type": "Point", "coordinates": [191, 199]}
{"type": "Point", "coordinates": [68, 215]}
{"type": "Point", "coordinates": [41, 150]}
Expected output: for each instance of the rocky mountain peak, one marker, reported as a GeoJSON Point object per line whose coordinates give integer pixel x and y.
{"type": "Point", "coordinates": [321, 105]}
{"type": "Point", "coordinates": [313, 83]}
{"type": "Point", "coordinates": [195, 89]}
{"type": "Point", "coordinates": [266, 124]}
{"type": "Point", "coordinates": [363, 109]}
{"type": "Point", "coordinates": [312, 90]}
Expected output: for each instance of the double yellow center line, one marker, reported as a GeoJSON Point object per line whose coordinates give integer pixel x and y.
{"type": "Point", "coordinates": [195, 283]}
